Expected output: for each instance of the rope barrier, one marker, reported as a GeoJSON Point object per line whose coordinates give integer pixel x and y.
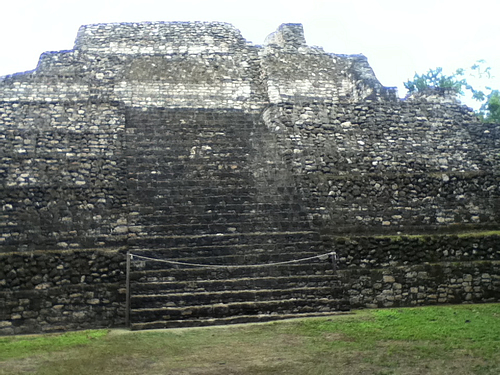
{"type": "Point", "coordinates": [320, 257]}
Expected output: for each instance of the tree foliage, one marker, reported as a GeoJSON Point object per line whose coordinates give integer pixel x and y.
{"type": "Point", "coordinates": [435, 79]}
{"type": "Point", "coordinates": [491, 111]}
{"type": "Point", "coordinates": [458, 83]}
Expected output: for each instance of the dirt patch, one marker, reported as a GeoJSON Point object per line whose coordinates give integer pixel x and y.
{"type": "Point", "coordinates": [336, 336]}
{"type": "Point", "coordinates": [20, 366]}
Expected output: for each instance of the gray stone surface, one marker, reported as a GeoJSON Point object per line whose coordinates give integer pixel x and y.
{"type": "Point", "coordinates": [183, 140]}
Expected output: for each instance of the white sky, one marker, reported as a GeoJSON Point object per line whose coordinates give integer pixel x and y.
{"type": "Point", "coordinates": [399, 37]}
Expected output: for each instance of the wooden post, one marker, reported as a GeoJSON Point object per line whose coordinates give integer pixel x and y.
{"type": "Point", "coordinates": [127, 296]}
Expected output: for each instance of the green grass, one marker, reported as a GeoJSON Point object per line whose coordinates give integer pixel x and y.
{"type": "Point", "coordinates": [456, 340]}
{"type": "Point", "coordinates": [22, 346]}
{"type": "Point", "coordinates": [425, 237]}
{"type": "Point", "coordinates": [480, 234]}
{"type": "Point", "coordinates": [450, 328]}
{"type": "Point", "coordinates": [470, 234]}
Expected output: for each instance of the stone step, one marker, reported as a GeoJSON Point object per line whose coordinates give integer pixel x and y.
{"type": "Point", "coordinates": [210, 214]}
{"type": "Point", "coordinates": [214, 167]}
{"type": "Point", "coordinates": [263, 258]}
{"type": "Point", "coordinates": [211, 190]}
{"type": "Point", "coordinates": [188, 148]}
{"type": "Point", "coordinates": [166, 299]}
{"type": "Point", "coordinates": [212, 218]}
{"type": "Point", "coordinates": [187, 144]}
{"type": "Point", "coordinates": [183, 148]}
{"type": "Point", "coordinates": [179, 154]}
{"type": "Point", "coordinates": [199, 128]}
{"type": "Point", "coordinates": [221, 201]}
{"type": "Point", "coordinates": [255, 283]}
{"type": "Point", "coordinates": [230, 320]}
{"type": "Point", "coordinates": [223, 310]}
{"type": "Point", "coordinates": [219, 207]}
{"type": "Point", "coordinates": [265, 251]}
{"type": "Point", "coordinates": [169, 189]}
{"type": "Point", "coordinates": [164, 128]}
{"type": "Point", "coordinates": [215, 131]}
{"type": "Point", "coordinates": [259, 223]}
{"type": "Point", "coordinates": [167, 154]}
{"type": "Point", "coordinates": [197, 183]}
{"type": "Point", "coordinates": [182, 195]}
{"type": "Point", "coordinates": [225, 239]}
{"type": "Point", "coordinates": [145, 180]}
{"type": "Point", "coordinates": [187, 273]}
{"type": "Point", "coordinates": [165, 174]}
{"type": "Point", "coordinates": [236, 227]}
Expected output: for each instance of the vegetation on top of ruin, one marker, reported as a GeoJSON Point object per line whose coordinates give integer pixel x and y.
{"type": "Point", "coordinates": [459, 83]}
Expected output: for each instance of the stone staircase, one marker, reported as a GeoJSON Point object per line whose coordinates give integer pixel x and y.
{"type": "Point", "coordinates": [167, 295]}
{"type": "Point", "coordinates": [200, 195]}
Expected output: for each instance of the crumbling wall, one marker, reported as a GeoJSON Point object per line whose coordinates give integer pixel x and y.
{"type": "Point", "coordinates": [63, 175]}
{"type": "Point", "coordinates": [61, 290]}
{"type": "Point", "coordinates": [409, 166]}
{"type": "Point", "coordinates": [296, 73]}
{"type": "Point", "coordinates": [104, 146]}
{"type": "Point", "coordinates": [178, 64]}
{"type": "Point", "coordinates": [137, 38]}
{"type": "Point", "coordinates": [426, 284]}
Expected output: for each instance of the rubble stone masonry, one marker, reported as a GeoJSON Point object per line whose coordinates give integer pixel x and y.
{"type": "Point", "coordinates": [155, 118]}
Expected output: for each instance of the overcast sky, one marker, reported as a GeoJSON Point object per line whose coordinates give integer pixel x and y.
{"type": "Point", "coordinates": [399, 37]}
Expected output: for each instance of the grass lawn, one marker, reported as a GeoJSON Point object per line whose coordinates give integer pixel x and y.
{"type": "Point", "coordinates": [463, 339]}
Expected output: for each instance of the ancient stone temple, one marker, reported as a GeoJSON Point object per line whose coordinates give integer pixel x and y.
{"type": "Point", "coordinates": [246, 182]}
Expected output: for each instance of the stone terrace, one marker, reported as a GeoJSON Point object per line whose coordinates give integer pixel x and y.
{"type": "Point", "coordinates": [181, 141]}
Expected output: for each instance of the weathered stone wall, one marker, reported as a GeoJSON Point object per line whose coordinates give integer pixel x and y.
{"type": "Point", "coordinates": [427, 284]}
{"type": "Point", "coordinates": [389, 251]}
{"type": "Point", "coordinates": [408, 166]}
{"type": "Point", "coordinates": [63, 175]}
{"type": "Point", "coordinates": [393, 271]}
{"type": "Point", "coordinates": [58, 290]}
{"type": "Point", "coordinates": [294, 72]}
{"type": "Point", "coordinates": [185, 136]}
{"type": "Point", "coordinates": [192, 38]}
{"type": "Point", "coordinates": [61, 290]}
{"type": "Point", "coordinates": [209, 81]}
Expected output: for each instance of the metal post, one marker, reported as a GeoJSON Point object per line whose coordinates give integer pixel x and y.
{"type": "Point", "coordinates": [127, 296]}
{"type": "Point", "coordinates": [334, 262]}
